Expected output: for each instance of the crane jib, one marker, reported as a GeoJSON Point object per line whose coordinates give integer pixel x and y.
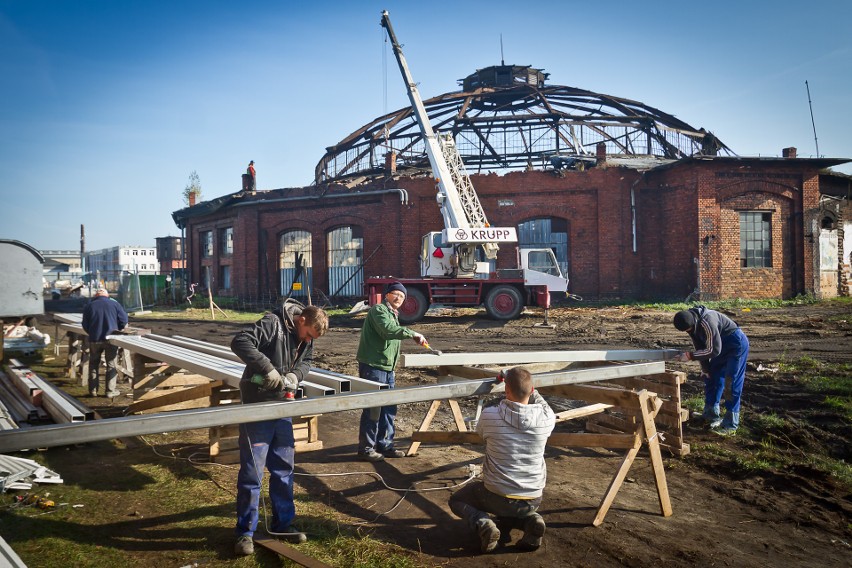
{"type": "Point", "coordinates": [480, 235]}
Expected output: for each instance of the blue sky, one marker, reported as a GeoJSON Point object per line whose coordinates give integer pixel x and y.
{"type": "Point", "coordinates": [108, 106]}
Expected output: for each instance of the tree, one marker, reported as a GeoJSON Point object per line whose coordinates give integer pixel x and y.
{"type": "Point", "coordinates": [193, 187]}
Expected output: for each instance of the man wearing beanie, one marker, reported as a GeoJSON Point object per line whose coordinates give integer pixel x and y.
{"type": "Point", "coordinates": [722, 349]}
{"type": "Point", "coordinates": [378, 351]}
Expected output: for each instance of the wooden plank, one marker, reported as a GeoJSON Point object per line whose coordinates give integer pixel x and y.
{"type": "Point", "coordinates": [289, 552]}
{"type": "Point", "coordinates": [651, 405]}
{"type": "Point", "coordinates": [581, 412]}
{"type": "Point", "coordinates": [605, 395]}
{"type": "Point", "coordinates": [561, 439]}
{"type": "Point", "coordinates": [458, 417]}
{"type": "Point", "coordinates": [171, 398]}
{"type": "Point", "coordinates": [639, 383]}
{"type": "Point", "coordinates": [424, 425]}
{"type": "Point", "coordinates": [467, 372]}
{"type": "Point", "coordinates": [615, 483]}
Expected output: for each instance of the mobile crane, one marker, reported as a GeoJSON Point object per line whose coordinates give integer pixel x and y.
{"type": "Point", "coordinates": [449, 271]}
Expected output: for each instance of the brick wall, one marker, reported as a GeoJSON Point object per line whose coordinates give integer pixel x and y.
{"type": "Point", "coordinates": [686, 219]}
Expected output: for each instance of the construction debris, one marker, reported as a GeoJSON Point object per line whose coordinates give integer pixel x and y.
{"type": "Point", "coordinates": [20, 474]}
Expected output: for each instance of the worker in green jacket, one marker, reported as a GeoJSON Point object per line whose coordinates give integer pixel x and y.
{"type": "Point", "coordinates": [378, 352]}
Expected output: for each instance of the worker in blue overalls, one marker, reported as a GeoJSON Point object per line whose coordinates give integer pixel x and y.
{"type": "Point", "coordinates": [722, 349]}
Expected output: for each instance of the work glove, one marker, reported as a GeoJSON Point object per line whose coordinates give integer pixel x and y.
{"type": "Point", "coordinates": [273, 381]}
{"type": "Point", "coordinates": [291, 381]}
{"type": "Point", "coordinates": [419, 339]}
{"type": "Point", "coordinates": [683, 357]}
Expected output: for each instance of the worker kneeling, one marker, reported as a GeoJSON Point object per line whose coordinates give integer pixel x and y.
{"type": "Point", "coordinates": [515, 433]}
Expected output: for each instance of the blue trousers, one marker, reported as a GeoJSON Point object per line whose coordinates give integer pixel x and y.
{"type": "Point", "coordinates": [376, 430]}
{"type": "Point", "coordinates": [730, 363]}
{"type": "Point", "coordinates": [269, 443]}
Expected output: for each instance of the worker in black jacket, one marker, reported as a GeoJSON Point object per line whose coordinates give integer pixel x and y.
{"type": "Point", "coordinates": [722, 349]}
{"type": "Point", "coordinates": [277, 351]}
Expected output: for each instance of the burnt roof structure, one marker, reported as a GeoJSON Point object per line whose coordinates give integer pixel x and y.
{"type": "Point", "coordinates": [507, 118]}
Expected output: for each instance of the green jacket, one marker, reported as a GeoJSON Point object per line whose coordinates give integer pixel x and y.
{"type": "Point", "coordinates": [381, 337]}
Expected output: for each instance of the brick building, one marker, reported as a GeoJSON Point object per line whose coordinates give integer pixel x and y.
{"type": "Point", "coordinates": [634, 203]}
{"type": "Point", "coordinates": [724, 227]}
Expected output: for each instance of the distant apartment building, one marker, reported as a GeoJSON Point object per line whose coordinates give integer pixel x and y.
{"type": "Point", "coordinates": [111, 262]}
{"type": "Point", "coordinates": [170, 254]}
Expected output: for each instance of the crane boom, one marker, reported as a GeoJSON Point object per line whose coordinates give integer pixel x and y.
{"type": "Point", "coordinates": [459, 203]}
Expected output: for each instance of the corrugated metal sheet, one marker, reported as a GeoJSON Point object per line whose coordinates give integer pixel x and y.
{"type": "Point", "coordinates": [345, 251]}
{"type": "Point", "coordinates": [539, 233]}
{"type": "Point", "coordinates": [292, 244]}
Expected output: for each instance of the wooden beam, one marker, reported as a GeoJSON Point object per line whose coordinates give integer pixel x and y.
{"type": "Point", "coordinates": [289, 552]}
{"type": "Point", "coordinates": [176, 397]}
{"type": "Point", "coordinates": [581, 412]}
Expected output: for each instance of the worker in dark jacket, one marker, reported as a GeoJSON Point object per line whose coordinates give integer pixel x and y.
{"type": "Point", "coordinates": [722, 349]}
{"type": "Point", "coordinates": [101, 317]}
{"type": "Point", "coordinates": [378, 351]}
{"type": "Point", "coordinates": [277, 351]}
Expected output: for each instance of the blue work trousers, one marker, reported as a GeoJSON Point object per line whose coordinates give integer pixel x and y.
{"type": "Point", "coordinates": [730, 363]}
{"type": "Point", "coordinates": [376, 431]}
{"type": "Point", "coordinates": [269, 443]}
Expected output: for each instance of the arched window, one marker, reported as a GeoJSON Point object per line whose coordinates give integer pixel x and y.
{"type": "Point", "coordinates": [546, 232]}
{"type": "Point", "coordinates": [345, 254]}
{"type": "Point", "coordinates": [295, 252]}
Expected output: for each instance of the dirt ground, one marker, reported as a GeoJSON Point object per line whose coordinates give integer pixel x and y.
{"type": "Point", "coordinates": [723, 516]}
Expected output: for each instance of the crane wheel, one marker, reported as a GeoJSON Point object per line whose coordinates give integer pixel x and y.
{"type": "Point", "coordinates": [504, 303]}
{"type": "Point", "coordinates": [414, 307]}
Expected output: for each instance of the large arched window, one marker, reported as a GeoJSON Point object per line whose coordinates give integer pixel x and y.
{"type": "Point", "coordinates": [295, 252]}
{"type": "Point", "coordinates": [345, 254]}
{"type": "Point", "coordinates": [546, 232]}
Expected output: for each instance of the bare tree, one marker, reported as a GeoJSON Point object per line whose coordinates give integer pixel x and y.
{"type": "Point", "coordinates": [193, 187]}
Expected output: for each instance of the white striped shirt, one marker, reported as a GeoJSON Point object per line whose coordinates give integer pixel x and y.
{"type": "Point", "coordinates": [515, 435]}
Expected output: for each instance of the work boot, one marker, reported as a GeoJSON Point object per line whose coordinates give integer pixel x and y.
{"type": "Point", "coordinates": [292, 535]}
{"type": "Point", "coordinates": [244, 546]}
{"type": "Point", "coordinates": [534, 528]}
{"type": "Point", "coordinates": [393, 453]}
{"type": "Point", "coordinates": [93, 393]}
{"type": "Point", "coordinates": [489, 535]}
{"type": "Point", "coordinates": [370, 455]}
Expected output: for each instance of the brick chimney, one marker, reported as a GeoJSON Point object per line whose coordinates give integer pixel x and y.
{"type": "Point", "coordinates": [390, 162]}
{"type": "Point", "coordinates": [789, 152]}
{"type": "Point", "coordinates": [600, 154]}
{"type": "Point", "coordinates": [191, 198]}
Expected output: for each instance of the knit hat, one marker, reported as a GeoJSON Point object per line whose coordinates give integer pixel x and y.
{"type": "Point", "coordinates": [683, 320]}
{"type": "Point", "coordinates": [395, 286]}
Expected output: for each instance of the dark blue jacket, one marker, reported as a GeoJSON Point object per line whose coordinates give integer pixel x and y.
{"type": "Point", "coordinates": [103, 316]}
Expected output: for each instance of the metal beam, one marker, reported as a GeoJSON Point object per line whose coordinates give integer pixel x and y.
{"type": "Point", "coordinates": [65, 434]}
{"type": "Point", "coordinates": [516, 358]}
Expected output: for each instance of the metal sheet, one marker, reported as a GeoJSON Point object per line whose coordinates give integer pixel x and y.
{"type": "Point", "coordinates": [516, 358]}
{"type": "Point", "coordinates": [65, 434]}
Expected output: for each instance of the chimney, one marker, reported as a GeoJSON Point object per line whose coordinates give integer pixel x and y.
{"type": "Point", "coordinates": [789, 152]}
{"type": "Point", "coordinates": [600, 154]}
{"type": "Point", "coordinates": [390, 162]}
{"type": "Point", "coordinates": [191, 198]}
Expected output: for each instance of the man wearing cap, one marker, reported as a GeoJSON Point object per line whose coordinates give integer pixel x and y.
{"type": "Point", "coordinates": [101, 317]}
{"type": "Point", "coordinates": [722, 349]}
{"type": "Point", "coordinates": [378, 351]}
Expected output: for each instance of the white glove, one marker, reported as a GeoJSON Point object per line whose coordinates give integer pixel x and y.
{"type": "Point", "coordinates": [683, 357]}
{"type": "Point", "coordinates": [273, 381]}
{"type": "Point", "coordinates": [291, 381]}
{"type": "Point", "coordinates": [419, 339]}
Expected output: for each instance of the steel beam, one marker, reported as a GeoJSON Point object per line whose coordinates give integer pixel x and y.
{"type": "Point", "coordinates": [517, 358]}
{"type": "Point", "coordinates": [65, 434]}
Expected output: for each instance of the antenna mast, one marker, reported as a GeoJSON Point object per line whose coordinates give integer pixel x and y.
{"type": "Point", "coordinates": [502, 60]}
{"type": "Point", "coordinates": [813, 124]}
